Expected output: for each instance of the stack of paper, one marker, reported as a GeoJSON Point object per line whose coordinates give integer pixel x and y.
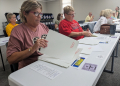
{"type": "Point", "coordinates": [116, 20]}
{"type": "Point", "coordinates": [89, 41]}
{"type": "Point", "coordinates": [59, 61]}
{"type": "Point", "coordinates": [88, 49]}
{"type": "Point", "coordinates": [93, 35]}
{"type": "Point", "coordinates": [4, 40]}
{"type": "Point", "coordinates": [61, 50]}
{"type": "Point", "coordinates": [102, 39]}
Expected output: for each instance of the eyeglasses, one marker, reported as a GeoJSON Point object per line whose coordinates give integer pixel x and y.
{"type": "Point", "coordinates": [71, 14]}
{"type": "Point", "coordinates": [37, 14]}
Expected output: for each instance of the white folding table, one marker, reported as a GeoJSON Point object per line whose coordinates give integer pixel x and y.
{"type": "Point", "coordinates": [70, 76]}
{"type": "Point", "coordinates": [3, 41]}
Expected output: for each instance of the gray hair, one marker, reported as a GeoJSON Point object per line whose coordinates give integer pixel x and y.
{"type": "Point", "coordinates": [107, 12]}
{"type": "Point", "coordinates": [27, 6]}
{"type": "Point", "coordinates": [67, 9]}
{"type": "Point", "coordinates": [9, 15]}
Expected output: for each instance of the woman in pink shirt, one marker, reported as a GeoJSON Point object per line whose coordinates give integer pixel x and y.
{"type": "Point", "coordinates": [22, 47]}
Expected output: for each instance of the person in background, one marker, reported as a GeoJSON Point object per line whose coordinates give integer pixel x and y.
{"type": "Point", "coordinates": [113, 15]}
{"type": "Point", "coordinates": [25, 39]}
{"type": "Point", "coordinates": [71, 27]}
{"type": "Point", "coordinates": [102, 13]}
{"type": "Point", "coordinates": [110, 20]}
{"type": "Point", "coordinates": [59, 19]}
{"type": "Point", "coordinates": [11, 18]}
{"type": "Point", "coordinates": [102, 20]}
{"type": "Point", "coordinates": [117, 12]}
{"type": "Point", "coordinates": [89, 18]}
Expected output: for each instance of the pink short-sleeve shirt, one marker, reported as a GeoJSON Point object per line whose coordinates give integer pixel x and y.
{"type": "Point", "coordinates": [21, 38]}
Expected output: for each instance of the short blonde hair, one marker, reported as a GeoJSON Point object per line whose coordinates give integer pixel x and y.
{"type": "Point", "coordinates": [9, 15]}
{"type": "Point", "coordinates": [102, 13]}
{"type": "Point", "coordinates": [27, 6]}
{"type": "Point", "coordinates": [107, 12]}
{"type": "Point", "coordinates": [67, 9]}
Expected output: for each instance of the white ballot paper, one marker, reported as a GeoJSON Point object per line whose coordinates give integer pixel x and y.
{"type": "Point", "coordinates": [61, 50]}
{"type": "Point", "coordinates": [47, 71]}
{"type": "Point", "coordinates": [88, 41]}
{"type": "Point", "coordinates": [3, 41]}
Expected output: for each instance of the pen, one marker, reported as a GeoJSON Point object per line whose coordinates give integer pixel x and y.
{"type": "Point", "coordinates": [103, 42]}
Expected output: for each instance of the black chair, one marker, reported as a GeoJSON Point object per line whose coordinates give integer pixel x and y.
{"type": "Point", "coordinates": [14, 67]}
{"type": "Point", "coordinates": [5, 34]}
{"type": "Point", "coordinates": [85, 27]}
{"type": "Point", "coordinates": [81, 21]}
{"type": "Point", "coordinates": [4, 24]}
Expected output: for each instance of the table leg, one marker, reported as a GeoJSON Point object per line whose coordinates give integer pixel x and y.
{"type": "Point", "coordinates": [2, 59]}
{"type": "Point", "coordinates": [112, 65]}
{"type": "Point", "coordinates": [116, 50]}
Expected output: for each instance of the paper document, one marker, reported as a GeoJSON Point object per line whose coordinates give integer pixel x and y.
{"type": "Point", "coordinates": [102, 39]}
{"type": "Point", "coordinates": [59, 61]}
{"type": "Point", "coordinates": [89, 67]}
{"type": "Point", "coordinates": [47, 71]}
{"type": "Point", "coordinates": [93, 35]}
{"type": "Point", "coordinates": [85, 49]}
{"type": "Point", "coordinates": [59, 46]}
{"type": "Point", "coordinates": [116, 20]}
{"type": "Point", "coordinates": [61, 50]}
{"type": "Point", "coordinates": [89, 41]}
{"type": "Point", "coordinates": [4, 40]}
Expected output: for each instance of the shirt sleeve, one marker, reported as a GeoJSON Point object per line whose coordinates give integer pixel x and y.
{"type": "Point", "coordinates": [8, 30]}
{"type": "Point", "coordinates": [15, 43]}
{"type": "Point", "coordinates": [87, 19]}
{"type": "Point", "coordinates": [56, 22]}
{"type": "Point", "coordinates": [103, 21]}
{"type": "Point", "coordinates": [64, 29]}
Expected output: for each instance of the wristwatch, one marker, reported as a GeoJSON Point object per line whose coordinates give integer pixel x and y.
{"type": "Point", "coordinates": [29, 49]}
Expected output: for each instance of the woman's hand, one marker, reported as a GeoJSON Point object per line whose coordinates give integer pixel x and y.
{"type": "Point", "coordinates": [87, 33]}
{"type": "Point", "coordinates": [38, 44]}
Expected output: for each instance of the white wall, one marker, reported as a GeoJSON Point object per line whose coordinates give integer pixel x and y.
{"type": "Point", "coordinates": [54, 7]}
{"type": "Point", "coordinates": [12, 6]}
{"type": "Point", "coordinates": [83, 7]}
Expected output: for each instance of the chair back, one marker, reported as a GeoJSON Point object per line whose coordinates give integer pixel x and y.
{"type": "Point", "coordinates": [81, 21]}
{"type": "Point", "coordinates": [4, 24]}
{"type": "Point", "coordinates": [91, 27]}
{"type": "Point", "coordinates": [14, 67]}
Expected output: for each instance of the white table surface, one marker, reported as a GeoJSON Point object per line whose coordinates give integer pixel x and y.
{"type": "Point", "coordinates": [118, 28]}
{"type": "Point", "coordinates": [90, 22]}
{"type": "Point", "coordinates": [69, 76]}
{"type": "Point", "coordinates": [4, 40]}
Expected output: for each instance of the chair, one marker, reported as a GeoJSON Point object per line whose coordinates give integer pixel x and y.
{"type": "Point", "coordinates": [14, 67]}
{"type": "Point", "coordinates": [4, 24]}
{"type": "Point", "coordinates": [85, 27]}
{"type": "Point", "coordinates": [91, 26]}
{"type": "Point", "coordinates": [5, 34]}
{"type": "Point", "coordinates": [81, 21]}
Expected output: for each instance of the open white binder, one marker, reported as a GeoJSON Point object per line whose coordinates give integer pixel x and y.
{"type": "Point", "coordinates": [61, 50]}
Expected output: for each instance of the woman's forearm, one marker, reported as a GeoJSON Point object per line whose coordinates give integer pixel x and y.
{"type": "Point", "coordinates": [75, 34]}
{"type": "Point", "coordinates": [18, 56]}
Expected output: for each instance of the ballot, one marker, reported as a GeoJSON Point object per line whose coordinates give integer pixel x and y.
{"type": "Point", "coordinates": [61, 50]}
